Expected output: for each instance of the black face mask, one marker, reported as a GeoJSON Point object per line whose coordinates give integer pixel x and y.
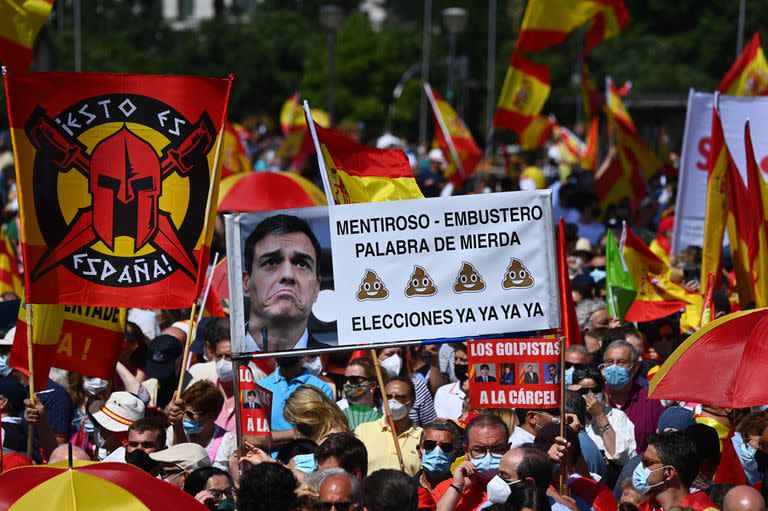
{"type": "Point", "coordinates": [140, 459]}
{"type": "Point", "coordinates": [460, 372]}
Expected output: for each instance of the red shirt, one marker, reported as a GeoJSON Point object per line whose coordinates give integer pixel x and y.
{"type": "Point", "coordinates": [698, 501]}
{"type": "Point", "coordinates": [470, 500]}
{"type": "Point", "coordinates": [426, 502]}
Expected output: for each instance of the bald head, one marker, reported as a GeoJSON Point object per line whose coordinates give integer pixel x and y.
{"type": "Point", "coordinates": [743, 498]}
{"type": "Point", "coordinates": [340, 487]}
{"type": "Point", "coordinates": [61, 453]}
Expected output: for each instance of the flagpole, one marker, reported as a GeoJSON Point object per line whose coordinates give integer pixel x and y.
{"type": "Point", "coordinates": [202, 305]}
{"type": "Point", "coordinates": [444, 129]}
{"type": "Point", "coordinates": [490, 93]}
{"type": "Point", "coordinates": [387, 411]}
{"type": "Point", "coordinates": [320, 160]}
{"type": "Point", "coordinates": [30, 365]}
{"type": "Point", "coordinates": [563, 484]}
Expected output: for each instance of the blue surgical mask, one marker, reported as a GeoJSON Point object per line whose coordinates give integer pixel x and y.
{"type": "Point", "coordinates": [569, 375]}
{"type": "Point", "coordinates": [305, 463]}
{"type": "Point", "coordinates": [616, 376]}
{"type": "Point", "coordinates": [747, 453]}
{"type": "Point", "coordinates": [5, 369]}
{"type": "Point", "coordinates": [191, 427]}
{"type": "Point", "coordinates": [640, 479]}
{"type": "Point", "coordinates": [487, 466]}
{"type": "Point", "coordinates": [435, 461]}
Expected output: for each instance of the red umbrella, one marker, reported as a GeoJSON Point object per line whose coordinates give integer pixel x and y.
{"type": "Point", "coordinates": [267, 191]}
{"type": "Point", "coordinates": [721, 365]}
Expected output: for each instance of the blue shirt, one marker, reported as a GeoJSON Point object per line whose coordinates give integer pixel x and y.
{"type": "Point", "coordinates": [282, 388]}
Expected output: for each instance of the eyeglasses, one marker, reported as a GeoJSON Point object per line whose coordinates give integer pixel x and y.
{"type": "Point", "coordinates": [357, 380]}
{"type": "Point", "coordinates": [496, 451]}
{"type": "Point", "coordinates": [193, 415]}
{"type": "Point", "coordinates": [429, 445]}
{"type": "Point", "coordinates": [227, 493]}
{"type": "Point", "coordinates": [143, 445]}
{"type": "Point", "coordinates": [619, 362]}
{"type": "Point", "coordinates": [339, 506]}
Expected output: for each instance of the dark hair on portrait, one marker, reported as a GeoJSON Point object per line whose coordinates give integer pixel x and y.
{"type": "Point", "coordinates": [276, 225]}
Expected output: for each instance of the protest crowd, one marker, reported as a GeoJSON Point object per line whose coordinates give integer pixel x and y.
{"type": "Point", "coordinates": [397, 426]}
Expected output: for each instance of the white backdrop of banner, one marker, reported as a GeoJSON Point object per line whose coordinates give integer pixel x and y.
{"type": "Point", "coordinates": [444, 267]}
{"type": "Point", "coordinates": [694, 158]}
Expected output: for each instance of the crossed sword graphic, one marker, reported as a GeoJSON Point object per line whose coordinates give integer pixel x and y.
{"type": "Point", "coordinates": [66, 152]}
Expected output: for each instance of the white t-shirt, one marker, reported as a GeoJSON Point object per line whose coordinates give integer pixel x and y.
{"type": "Point", "coordinates": [449, 401]}
{"type": "Point", "coordinates": [519, 437]}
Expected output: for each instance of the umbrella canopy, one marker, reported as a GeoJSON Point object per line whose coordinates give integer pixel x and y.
{"type": "Point", "coordinates": [267, 191]}
{"type": "Point", "coordinates": [721, 365]}
{"type": "Point", "coordinates": [89, 485]}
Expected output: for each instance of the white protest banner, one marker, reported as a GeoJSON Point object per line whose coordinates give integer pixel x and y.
{"type": "Point", "coordinates": [694, 161]}
{"type": "Point", "coordinates": [444, 267]}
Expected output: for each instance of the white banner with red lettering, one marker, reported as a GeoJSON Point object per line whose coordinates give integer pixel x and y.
{"type": "Point", "coordinates": [694, 157]}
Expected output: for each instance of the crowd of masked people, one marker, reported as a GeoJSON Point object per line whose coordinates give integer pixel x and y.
{"type": "Point", "coordinates": [332, 448]}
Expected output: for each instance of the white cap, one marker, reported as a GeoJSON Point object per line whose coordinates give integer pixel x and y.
{"type": "Point", "coordinates": [120, 411]}
{"type": "Point", "coordinates": [187, 456]}
{"type": "Point", "coordinates": [436, 155]}
{"type": "Point", "coordinates": [8, 339]}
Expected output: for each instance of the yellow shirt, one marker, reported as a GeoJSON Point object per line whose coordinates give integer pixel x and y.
{"type": "Point", "coordinates": [377, 438]}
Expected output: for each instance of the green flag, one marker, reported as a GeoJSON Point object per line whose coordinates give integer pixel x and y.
{"type": "Point", "coordinates": [620, 289]}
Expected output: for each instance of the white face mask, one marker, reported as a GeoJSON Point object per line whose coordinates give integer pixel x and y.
{"type": "Point", "coordinates": [314, 366]}
{"type": "Point", "coordinates": [224, 370]}
{"type": "Point", "coordinates": [392, 365]}
{"type": "Point", "coordinates": [94, 386]}
{"type": "Point", "coordinates": [499, 490]}
{"type": "Point", "coordinates": [398, 409]}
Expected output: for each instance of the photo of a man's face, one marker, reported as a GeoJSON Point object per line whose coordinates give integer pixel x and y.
{"type": "Point", "coordinates": [251, 397]}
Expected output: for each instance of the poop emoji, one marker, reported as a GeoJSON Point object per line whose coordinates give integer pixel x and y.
{"type": "Point", "coordinates": [468, 280]}
{"type": "Point", "coordinates": [517, 275]}
{"type": "Point", "coordinates": [371, 287]}
{"type": "Point", "coordinates": [420, 284]}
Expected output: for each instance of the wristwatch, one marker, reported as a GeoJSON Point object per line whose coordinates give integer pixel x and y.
{"type": "Point", "coordinates": [458, 490]}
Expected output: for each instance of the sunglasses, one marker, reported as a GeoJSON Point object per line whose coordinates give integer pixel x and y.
{"type": "Point", "coordinates": [429, 445]}
{"type": "Point", "coordinates": [192, 415]}
{"type": "Point", "coordinates": [586, 390]}
{"type": "Point", "coordinates": [339, 506]}
{"type": "Point", "coordinates": [357, 380]}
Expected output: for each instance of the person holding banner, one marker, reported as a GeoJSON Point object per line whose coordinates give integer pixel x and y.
{"type": "Point", "coordinates": [281, 278]}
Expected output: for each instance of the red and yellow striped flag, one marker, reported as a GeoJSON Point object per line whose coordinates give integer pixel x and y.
{"type": "Point", "coordinates": [234, 159]}
{"type": "Point", "coordinates": [716, 204]}
{"type": "Point", "coordinates": [537, 132]}
{"type": "Point", "coordinates": [570, 147]}
{"type": "Point", "coordinates": [20, 21]}
{"type": "Point", "coordinates": [359, 173]}
{"type": "Point", "coordinates": [589, 158]}
{"type": "Point", "coordinates": [657, 296]}
{"type": "Point", "coordinates": [614, 107]}
{"type": "Point", "coordinates": [591, 97]}
{"type": "Point", "coordinates": [548, 22]}
{"type": "Point", "coordinates": [749, 74]}
{"type": "Point", "coordinates": [292, 115]}
{"type": "Point", "coordinates": [758, 250]}
{"type": "Point", "coordinates": [454, 139]}
{"type": "Point", "coordinates": [525, 90]}
{"type": "Point", "coordinates": [10, 277]}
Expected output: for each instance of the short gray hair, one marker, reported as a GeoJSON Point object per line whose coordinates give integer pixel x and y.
{"type": "Point", "coordinates": [442, 425]}
{"type": "Point", "coordinates": [319, 477]}
{"type": "Point", "coordinates": [621, 343]}
{"type": "Point", "coordinates": [578, 348]}
{"type": "Point", "coordinates": [585, 309]}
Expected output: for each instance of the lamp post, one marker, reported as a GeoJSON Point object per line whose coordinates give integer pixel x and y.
{"type": "Point", "coordinates": [455, 22]}
{"type": "Point", "coordinates": [331, 17]}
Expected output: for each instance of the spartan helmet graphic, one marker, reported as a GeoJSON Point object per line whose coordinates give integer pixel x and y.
{"type": "Point", "coordinates": [124, 182]}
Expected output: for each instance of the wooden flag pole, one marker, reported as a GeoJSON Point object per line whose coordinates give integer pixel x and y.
{"type": "Point", "coordinates": [563, 483]}
{"type": "Point", "coordinates": [30, 365]}
{"type": "Point", "coordinates": [387, 411]}
{"type": "Point", "coordinates": [190, 338]}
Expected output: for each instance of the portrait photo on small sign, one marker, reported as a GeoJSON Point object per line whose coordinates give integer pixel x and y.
{"type": "Point", "coordinates": [529, 387]}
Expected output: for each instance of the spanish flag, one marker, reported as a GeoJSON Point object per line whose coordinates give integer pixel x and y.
{"type": "Point", "coordinates": [591, 97]}
{"type": "Point", "coordinates": [758, 250]}
{"type": "Point", "coordinates": [525, 90]}
{"type": "Point", "coordinates": [10, 277]}
{"type": "Point", "coordinates": [749, 74]}
{"type": "Point", "coordinates": [589, 157]}
{"type": "Point", "coordinates": [615, 108]}
{"type": "Point", "coordinates": [569, 321]}
{"type": "Point", "coordinates": [570, 146]}
{"type": "Point", "coordinates": [359, 173]}
{"type": "Point", "coordinates": [548, 22]}
{"type": "Point", "coordinates": [454, 139]}
{"type": "Point", "coordinates": [716, 203]}
{"type": "Point", "coordinates": [20, 21]}
{"type": "Point", "coordinates": [537, 132]}
{"type": "Point", "coordinates": [234, 159]}
{"type": "Point", "coordinates": [292, 116]}
{"type": "Point", "coordinates": [657, 296]}
{"type": "Point", "coordinates": [85, 340]}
